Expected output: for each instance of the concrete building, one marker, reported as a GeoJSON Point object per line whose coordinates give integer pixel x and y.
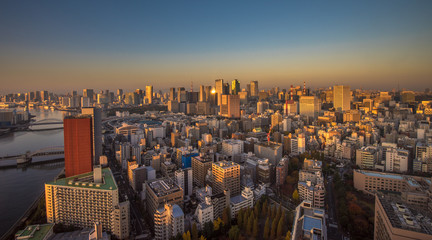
{"type": "Point", "coordinates": [298, 144]}
{"type": "Point", "coordinates": [399, 222]}
{"type": "Point", "coordinates": [282, 171]}
{"type": "Point", "coordinates": [254, 88]}
{"type": "Point", "coordinates": [84, 199]}
{"type": "Point", "coordinates": [205, 211]}
{"type": "Point", "coordinates": [78, 145]}
{"type": "Point", "coordinates": [149, 95]}
{"type": "Point", "coordinates": [200, 166]}
{"type": "Point", "coordinates": [160, 192]}
{"type": "Point", "coordinates": [184, 178]}
{"type": "Point", "coordinates": [168, 221]}
{"type": "Point", "coordinates": [232, 147]}
{"type": "Point", "coordinates": [96, 115]}
{"type": "Point", "coordinates": [309, 223]}
{"type": "Point", "coordinates": [397, 160]}
{"type": "Point", "coordinates": [242, 201]}
{"type": "Point", "coordinates": [272, 151]}
{"type": "Point", "coordinates": [226, 175]}
{"type": "Point", "coordinates": [341, 98]}
{"type": "Point", "coordinates": [309, 106]}
{"type": "Point", "coordinates": [366, 157]}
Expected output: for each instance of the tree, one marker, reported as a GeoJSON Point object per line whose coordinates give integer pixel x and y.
{"type": "Point", "coordinates": [273, 229]}
{"type": "Point", "coordinates": [226, 216]}
{"type": "Point", "coordinates": [255, 228]}
{"type": "Point", "coordinates": [273, 212]}
{"type": "Point", "coordinates": [245, 220]}
{"type": "Point", "coordinates": [266, 229]}
{"type": "Point", "coordinates": [250, 224]}
{"type": "Point", "coordinates": [280, 227]}
{"type": "Point", "coordinates": [185, 236]}
{"type": "Point", "coordinates": [295, 196]}
{"type": "Point", "coordinates": [194, 232]}
{"type": "Point", "coordinates": [202, 238]}
{"type": "Point", "coordinates": [208, 229]}
{"type": "Point", "coordinates": [240, 219]}
{"type": "Point", "coordinates": [257, 208]}
{"type": "Point", "coordinates": [288, 235]}
{"type": "Point", "coordinates": [234, 232]}
{"type": "Point", "coordinates": [216, 224]}
{"type": "Point", "coordinates": [264, 209]}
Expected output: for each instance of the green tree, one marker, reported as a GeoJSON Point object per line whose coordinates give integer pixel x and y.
{"type": "Point", "coordinates": [245, 220]}
{"type": "Point", "coordinates": [257, 208]}
{"type": "Point", "coordinates": [295, 196]}
{"type": "Point", "coordinates": [264, 209]}
{"type": "Point", "coordinates": [216, 224]}
{"type": "Point", "coordinates": [234, 232]}
{"type": "Point", "coordinates": [194, 232]}
{"type": "Point", "coordinates": [208, 229]}
{"type": "Point", "coordinates": [266, 229]}
{"type": "Point", "coordinates": [273, 212]}
{"type": "Point", "coordinates": [255, 228]}
{"type": "Point", "coordinates": [280, 227]}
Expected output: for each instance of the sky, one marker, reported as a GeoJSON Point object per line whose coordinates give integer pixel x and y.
{"type": "Point", "coordinates": [70, 45]}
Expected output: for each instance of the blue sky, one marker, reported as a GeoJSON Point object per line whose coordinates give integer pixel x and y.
{"type": "Point", "coordinates": [62, 45]}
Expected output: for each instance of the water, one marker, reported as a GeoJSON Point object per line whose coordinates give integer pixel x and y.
{"type": "Point", "coordinates": [19, 187]}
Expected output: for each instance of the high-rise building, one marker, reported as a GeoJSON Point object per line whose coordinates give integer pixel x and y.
{"type": "Point", "coordinates": [200, 166]}
{"type": "Point", "coordinates": [96, 116]}
{"type": "Point", "coordinates": [172, 95]}
{"type": "Point", "coordinates": [88, 93]}
{"type": "Point", "coordinates": [235, 87]}
{"type": "Point", "coordinates": [78, 144]}
{"type": "Point", "coordinates": [309, 106]}
{"type": "Point", "coordinates": [230, 106]}
{"type": "Point", "coordinates": [254, 88]}
{"type": "Point", "coordinates": [202, 94]}
{"type": "Point", "coordinates": [81, 200]}
{"type": "Point", "coordinates": [184, 178]}
{"type": "Point", "coordinates": [276, 120]}
{"type": "Point", "coordinates": [168, 221]}
{"type": "Point", "coordinates": [207, 90]}
{"type": "Point", "coordinates": [219, 90]}
{"type": "Point", "coordinates": [161, 191]}
{"type": "Point", "coordinates": [394, 220]}
{"type": "Point", "coordinates": [272, 151]}
{"type": "Point", "coordinates": [149, 94]}
{"type": "Point", "coordinates": [226, 175]}
{"type": "Point", "coordinates": [341, 98]}
{"type": "Point", "coordinates": [232, 147]}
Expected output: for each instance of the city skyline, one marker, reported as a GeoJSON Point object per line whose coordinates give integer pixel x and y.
{"type": "Point", "coordinates": [63, 46]}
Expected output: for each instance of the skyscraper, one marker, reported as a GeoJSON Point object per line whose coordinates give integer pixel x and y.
{"type": "Point", "coordinates": [219, 90]}
{"type": "Point", "coordinates": [341, 98]}
{"type": "Point", "coordinates": [202, 94]}
{"type": "Point", "coordinates": [78, 144]}
{"type": "Point", "coordinates": [96, 116]}
{"type": "Point", "coordinates": [172, 95]}
{"type": "Point", "coordinates": [235, 87]}
{"type": "Point", "coordinates": [254, 88]}
{"type": "Point", "coordinates": [149, 94]}
{"type": "Point", "coordinates": [309, 106]}
{"type": "Point", "coordinates": [88, 93]}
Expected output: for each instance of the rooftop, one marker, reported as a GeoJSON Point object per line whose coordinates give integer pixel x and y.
{"type": "Point", "coordinates": [269, 145]}
{"type": "Point", "coordinates": [34, 232]}
{"type": "Point", "coordinates": [85, 180]}
{"type": "Point", "coordinates": [380, 174]}
{"type": "Point", "coordinates": [163, 187]}
{"type": "Point", "coordinates": [225, 164]}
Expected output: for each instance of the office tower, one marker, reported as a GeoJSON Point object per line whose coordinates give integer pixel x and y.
{"type": "Point", "coordinates": [149, 94]}
{"type": "Point", "coordinates": [219, 90]}
{"type": "Point", "coordinates": [270, 150]}
{"type": "Point", "coordinates": [235, 87]}
{"type": "Point", "coordinates": [161, 191]}
{"type": "Point", "coordinates": [44, 96]}
{"type": "Point", "coordinates": [88, 93]}
{"type": "Point", "coordinates": [233, 106]}
{"type": "Point", "coordinates": [119, 92]}
{"type": "Point", "coordinates": [254, 88]}
{"type": "Point", "coordinates": [262, 107]}
{"type": "Point", "coordinates": [200, 166]}
{"type": "Point", "coordinates": [73, 93]}
{"type": "Point", "coordinates": [96, 116]}
{"type": "Point", "coordinates": [232, 147]}
{"type": "Point", "coordinates": [172, 94]}
{"type": "Point", "coordinates": [81, 200]}
{"type": "Point", "coordinates": [309, 106]}
{"type": "Point", "coordinates": [226, 175]}
{"type": "Point", "coordinates": [408, 96]}
{"type": "Point", "coordinates": [168, 221]}
{"type": "Point", "coordinates": [243, 97]}
{"type": "Point", "coordinates": [341, 98]}
{"type": "Point", "coordinates": [276, 119]}
{"type": "Point", "coordinates": [202, 94]}
{"type": "Point", "coordinates": [394, 220]}
{"type": "Point", "coordinates": [78, 144]}
{"type": "Point", "coordinates": [226, 89]}
{"type": "Point", "coordinates": [309, 223]}
{"type": "Point", "coordinates": [181, 95]}
{"type": "Point", "coordinates": [207, 91]}
{"type": "Point", "coordinates": [203, 108]}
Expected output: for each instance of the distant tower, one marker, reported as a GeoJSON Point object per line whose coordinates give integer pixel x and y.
{"type": "Point", "coordinates": [304, 88]}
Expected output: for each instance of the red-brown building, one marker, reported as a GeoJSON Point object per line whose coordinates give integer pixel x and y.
{"type": "Point", "coordinates": [78, 145]}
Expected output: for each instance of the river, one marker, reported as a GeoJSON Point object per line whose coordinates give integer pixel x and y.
{"type": "Point", "coordinates": [19, 187]}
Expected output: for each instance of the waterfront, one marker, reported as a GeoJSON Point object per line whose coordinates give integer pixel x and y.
{"type": "Point", "coordinates": [21, 186]}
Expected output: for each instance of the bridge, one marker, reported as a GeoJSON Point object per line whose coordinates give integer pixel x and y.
{"type": "Point", "coordinates": [46, 121]}
{"type": "Point", "coordinates": [27, 157]}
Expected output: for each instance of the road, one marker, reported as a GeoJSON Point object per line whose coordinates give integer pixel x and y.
{"type": "Point", "coordinates": [332, 223]}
